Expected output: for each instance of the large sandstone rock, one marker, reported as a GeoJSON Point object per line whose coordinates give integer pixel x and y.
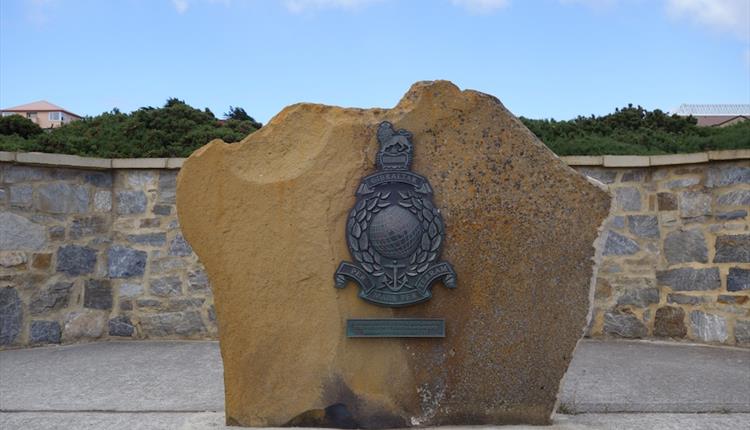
{"type": "Point", "coordinates": [267, 217]}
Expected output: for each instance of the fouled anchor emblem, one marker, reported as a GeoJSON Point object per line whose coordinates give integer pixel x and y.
{"type": "Point", "coordinates": [395, 232]}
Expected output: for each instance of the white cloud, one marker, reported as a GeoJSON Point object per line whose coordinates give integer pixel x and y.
{"type": "Point", "coordinates": [181, 5]}
{"type": "Point", "coordinates": [299, 6]}
{"type": "Point", "coordinates": [481, 6]}
{"type": "Point", "coordinates": [726, 16]}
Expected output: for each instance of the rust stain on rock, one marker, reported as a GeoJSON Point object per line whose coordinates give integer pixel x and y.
{"type": "Point", "coordinates": [267, 217]}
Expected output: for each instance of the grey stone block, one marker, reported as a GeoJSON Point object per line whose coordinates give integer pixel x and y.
{"type": "Point", "coordinates": [97, 294]}
{"type": "Point", "coordinates": [62, 198]}
{"type": "Point", "coordinates": [172, 323]}
{"type": "Point", "coordinates": [130, 290]}
{"type": "Point", "coordinates": [738, 279]}
{"type": "Point", "coordinates": [605, 176]}
{"type": "Point", "coordinates": [131, 202]}
{"type": "Point", "coordinates": [163, 210]}
{"type": "Point", "coordinates": [11, 315]}
{"type": "Point", "coordinates": [683, 299]}
{"type": "Point", "coordinates": [51, 297]}
{"type": "Point", "coordinates": [617, 222]}
{"type": "Point", "coordinates": [76, 260]}
{"type": "Point", "coordinates": [13, 259]}
{"type": "Point", "coordinates": [179, 246]}
{"type": "Point", "coordinates": [733, 249]}
{"type": "Point", "coordinates": [682, 183]}
{"type": "Point", "coordinates": [644, 225]}
{"type": "Point", "coordinates": [124, 262]}
{"type": "Point", "coordinates": [167, 286]}
{"type": "Point", "coordinates": [99, 179]}
{"type": "Point", "coordinates": [167, 264]}
{"type": "Point", "coordinates": [734, 198]}
{"type": "Point", "coordinates": [641, 297]}
{"type": "Point", "coordinates": [20, 195]}
{"type": "Point", "coordinates": [624, 325]}
{"type": "Point", "coordinates": [87, 226]}
{"type": "Point", "coordinates": [139, 178]}
{"type": "Point", "coordinates": [103, 201]}
{"type": "Point", "coordinates": [184, 304]}
{"type": "Point", "coordinates": [148, 303]}
{"type": "Point", "coordinates": [86, 324]}
{"type": "Point", "coordinates": [689, 279]}
{"type": "Point", "coordinates": [121, 326]}
{"type": "Point", "coordinates": [617, 244]}
{"type": "Point", "coordinates": [628, 199]}
{"type": "Point", "coordinates": [167, 186]}
{"type": "Point", "coordinates": [198, 281]}
{"type": "Point", "coordinates": [732, 215]}
{"type": "Point", "coordinates": [685, 247]}
{"type": "Point", "coordinates": [742, 332]}
{"type": "Point", "coordinates": [45, 332]}
{"type": "Point", "coordinates": [694, 204]}
{"type": "Point", "coordinates": [16, 174]}
{"type": "Point", "coordinates": [151, 239]}
{"type": "Point", "coordinates": [724, 175]}
{"type": "Point", "coordinates": [708, 327]}
{"type": "Point", "coordinates": [19, 234]}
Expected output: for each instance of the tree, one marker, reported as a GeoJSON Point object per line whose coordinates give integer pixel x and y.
{"type": "Point", "coordinates": [19, 125]}
{"type": "Point", "coordinates": [239, 114]}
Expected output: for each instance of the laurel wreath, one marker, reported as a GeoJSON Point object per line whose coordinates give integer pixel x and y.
{"type": "Point", "coordinates": [432, 236]}
{"type": "Point", "coordinates": [359, 241]}
{"type": "Point", "coordinates": [428, 215]}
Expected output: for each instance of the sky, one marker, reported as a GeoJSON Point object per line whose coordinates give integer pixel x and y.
{"type": "Point", "coordinates": [541, 58]}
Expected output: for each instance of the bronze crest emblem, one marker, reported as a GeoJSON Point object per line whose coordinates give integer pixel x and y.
{"type": "Point", "coordinates": [395, 232]}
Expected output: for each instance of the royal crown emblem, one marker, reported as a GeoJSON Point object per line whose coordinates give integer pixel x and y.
{"type": "Point", "coordinates": [395, 232]}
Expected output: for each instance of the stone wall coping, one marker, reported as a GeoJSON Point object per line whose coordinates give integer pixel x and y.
{"type": "Point", "coordinates": [655, 160]}
{"type": "Point", "coordinates": [139, 163]}
{"type": "Point", "coordinates": [64, 160]}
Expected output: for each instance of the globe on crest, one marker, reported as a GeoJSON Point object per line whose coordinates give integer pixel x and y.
{"type": "Point", "coordinates": [395, 232]}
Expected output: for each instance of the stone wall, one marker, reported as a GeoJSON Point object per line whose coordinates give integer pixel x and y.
{"type": "Point", "coordinates": [676, 260]}
{"type": "Point", "coordinates": [94, 251]}
{"type": "Point", "coordinates": [93, 254]}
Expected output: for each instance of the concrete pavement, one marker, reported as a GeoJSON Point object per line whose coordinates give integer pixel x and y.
{"type": "Point", "coordinates": [215, 420]}
{"type": "Point", "coordinates": [641, 376]}
{"type": "Point", "coordinates": [178, 385]}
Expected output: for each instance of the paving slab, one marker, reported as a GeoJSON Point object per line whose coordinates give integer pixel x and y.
{"type": "Point", "coordinates": [642, 376]}
{"type": "Point", "coordinates": [113, 376]}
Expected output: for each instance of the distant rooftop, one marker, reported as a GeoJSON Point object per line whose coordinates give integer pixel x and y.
{"type": "Point", "coordinates": [39, 106]}
{"type": "Point", "coordinates": [713, 110]}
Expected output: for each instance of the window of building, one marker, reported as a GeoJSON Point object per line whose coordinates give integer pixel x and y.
{"type": "Point", "coordinates": [31, 115]}
{"type": "Point", "coordinates": [55, 116]}
{"type": "Point", "coordinates": [8, 113]}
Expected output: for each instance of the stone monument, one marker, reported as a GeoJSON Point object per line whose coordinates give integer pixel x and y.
{"type": "Point", "coordinates": [270, 217]}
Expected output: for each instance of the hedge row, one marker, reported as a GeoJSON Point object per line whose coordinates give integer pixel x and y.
{"type": "Point", "coordinates": [177, 129]}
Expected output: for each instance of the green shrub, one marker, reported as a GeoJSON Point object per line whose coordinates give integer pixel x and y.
{"type": "Point", "coordinates": [175, 130]}
{"type": "Point", "coordinates": [636, 131]}
{"type": "Point", "coordinates": [19, 126]}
